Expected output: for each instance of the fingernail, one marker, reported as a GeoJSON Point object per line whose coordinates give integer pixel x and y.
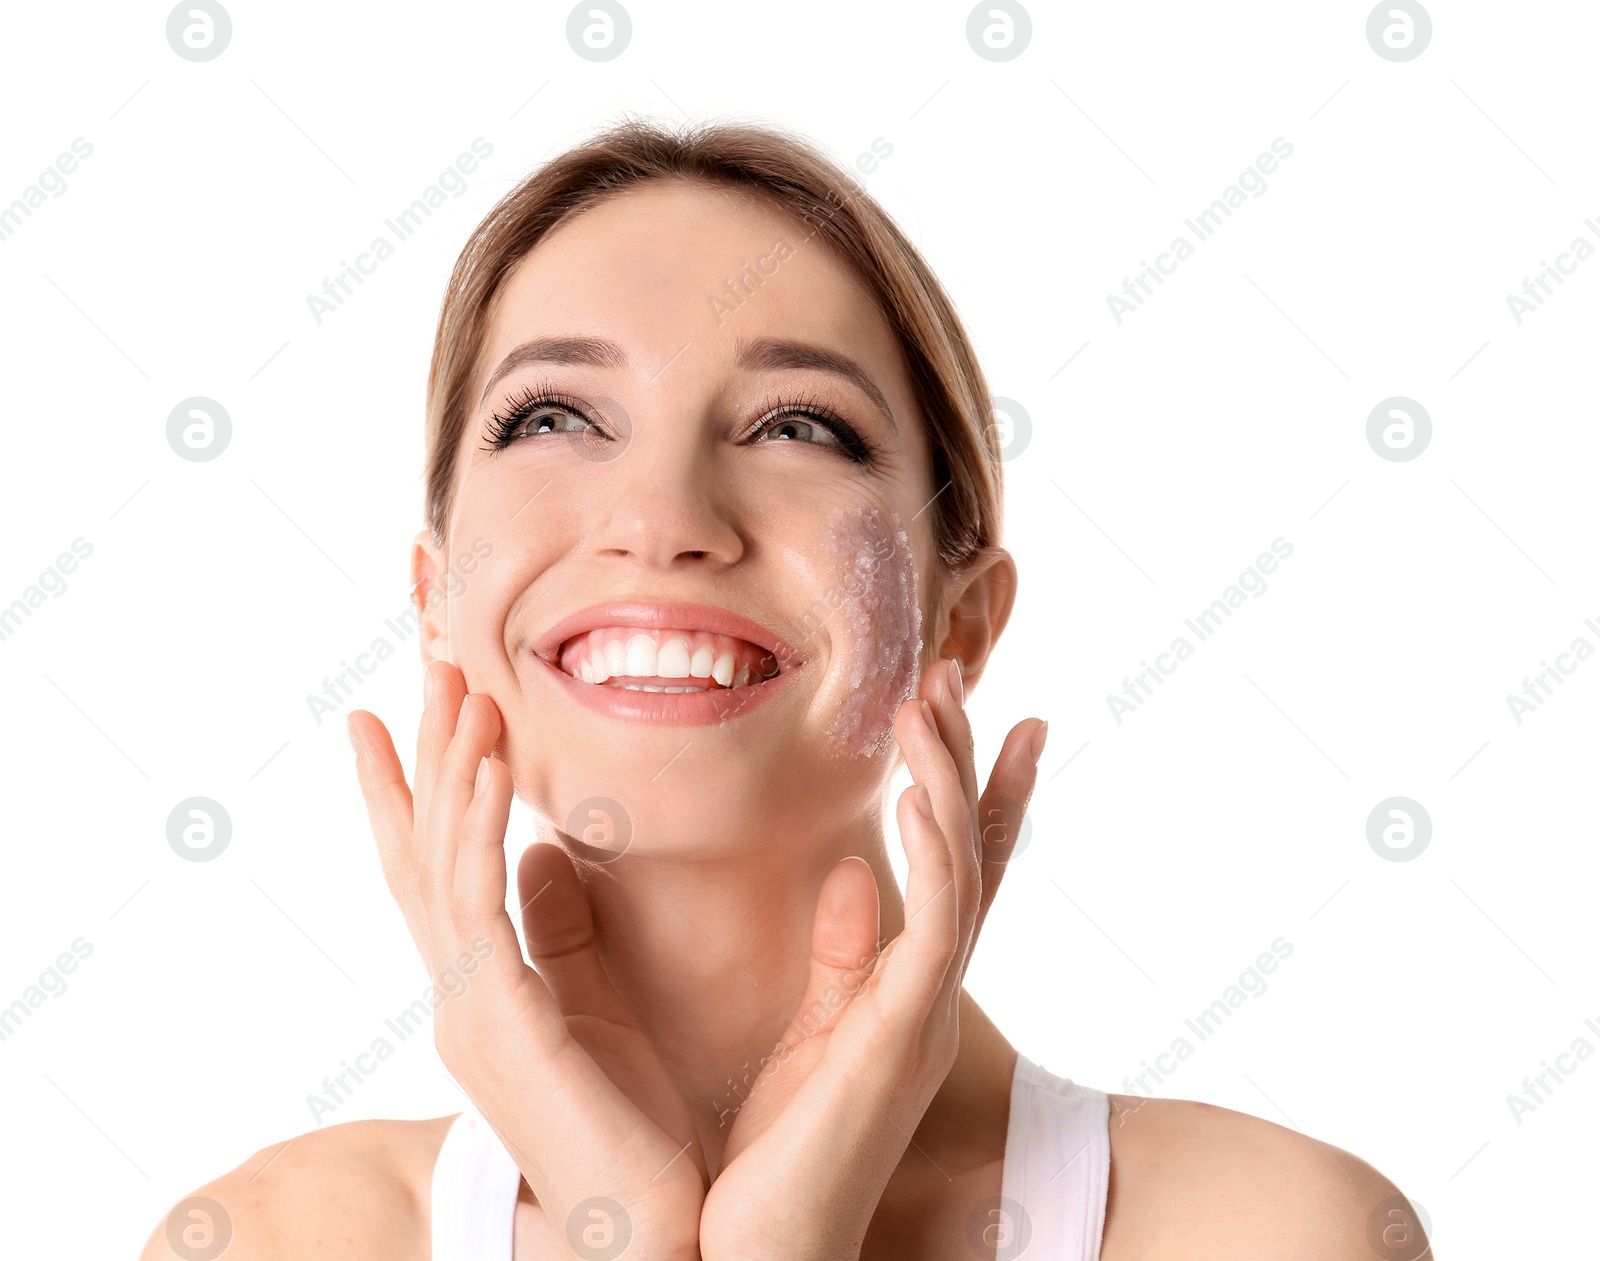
{"type": "Point", "coordinates": [1037, 747]}
{"type": "Point", "coordinates": [483, 777]}
{"type": "Point", "coordinates": [927, 717]}
{"type": "Point", "coordinates": [350, 730]}
{"type": "Point", "coordinates": [923, 802]}
{"type": "Point", "coordinates": [957, 687]}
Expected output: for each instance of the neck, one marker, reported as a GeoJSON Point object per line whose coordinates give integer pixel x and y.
{"type": "Point", "coordinates": [713, 956]}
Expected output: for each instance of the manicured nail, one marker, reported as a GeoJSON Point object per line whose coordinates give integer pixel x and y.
{"type": "Point", "coordinates": [927, 717]}
{"type": "Point", "coordinates": [1037, 746]}
{"type": "Point", "coordinates": [483, 777]}
{"type": "Point", "coordinates": [923, 802]}
{"type": "Point", "coordinates": [957, 687]}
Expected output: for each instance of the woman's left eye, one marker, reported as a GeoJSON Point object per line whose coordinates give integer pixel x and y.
{"type": "Point", "coordinates": [814, 426]}
{"type": "Point", "coordinates": [798, 426]}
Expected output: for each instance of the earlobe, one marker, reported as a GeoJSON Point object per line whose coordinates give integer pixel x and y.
{"type": "Point", "coordinates": [981, 600]}
{"type": "Point", "coordinates": [428, 599]}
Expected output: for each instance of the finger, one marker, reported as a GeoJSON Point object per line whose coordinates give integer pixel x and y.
{"type": "Point", "coordinates": [844, 947]}
{"type": "Point", "coordinates": [389, 811]}
{"type": "Point", "coordinates": [558, 923]}
{"type": "Point", "coordinates": [1001, 809]}
{"type": "Point", "coordinates": [945, 690]}
{"type": "Point", "coordinates": [455, 771]}
{"type": "Point", "coordinates": [922, 953]}
{"type": "Point", "coordinates": [479, 885]}
{"type": "Point", "coordinates": [444, 686]}
{"type": "Point", "coordinates": [933, 766]}
{"type": "Point", "coordinates": [440, 829]}
{"type": "Point", "coordinates": [480, 898]}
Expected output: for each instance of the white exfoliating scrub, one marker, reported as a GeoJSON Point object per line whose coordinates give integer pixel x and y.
{"type": "Point", "coordinates": [879, 624]}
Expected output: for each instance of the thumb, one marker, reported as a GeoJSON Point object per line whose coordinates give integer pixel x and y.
{"type": "Point", "coordinates": [558, 922]}
{"type": "Point", "coordinates": [844, 947]}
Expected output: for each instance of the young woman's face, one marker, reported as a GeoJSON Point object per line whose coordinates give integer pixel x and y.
{"type": "Point", "coordinates": [687, 402]}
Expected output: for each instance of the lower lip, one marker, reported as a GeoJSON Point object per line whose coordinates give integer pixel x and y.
{"type": "Point", "coordinates": [675, 709]}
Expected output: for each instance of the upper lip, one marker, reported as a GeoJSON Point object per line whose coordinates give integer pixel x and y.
{"type": "Point", "coordinates": [648, 615]}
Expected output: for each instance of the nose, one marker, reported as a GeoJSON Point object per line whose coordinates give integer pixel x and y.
{"type": "Point", "coordinates": [659, 503]}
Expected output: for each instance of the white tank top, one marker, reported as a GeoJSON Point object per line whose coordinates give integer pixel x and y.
{"type": "Point", "coordinates": [1053, 1180]}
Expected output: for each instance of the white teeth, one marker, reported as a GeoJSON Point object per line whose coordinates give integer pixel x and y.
{"type": "Point", "coordinates": [648, 687]}
{"type": "Point", "coordinates": [610, 659]}
{"type": "Point", "coordinates": [673, 659]}
{"type": "Point", "coordinates": [641, 661]}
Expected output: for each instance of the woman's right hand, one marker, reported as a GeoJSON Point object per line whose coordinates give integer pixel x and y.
{"type": "Point", "coordinates": [553, 1058]}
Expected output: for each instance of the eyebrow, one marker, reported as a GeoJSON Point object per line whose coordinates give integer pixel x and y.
{"type": "Point", "coordinates": [773, 353]}
{"type": "Point", "coordinates": [763, 354]}
{"type": "Point", "coordinates": [592, 352]}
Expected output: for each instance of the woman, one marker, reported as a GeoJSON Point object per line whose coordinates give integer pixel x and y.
{"type": "Point", "coordinates": [698, 651]}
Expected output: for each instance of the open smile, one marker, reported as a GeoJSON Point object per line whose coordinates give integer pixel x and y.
{"type": "Point", "coordinates": [674, 663]}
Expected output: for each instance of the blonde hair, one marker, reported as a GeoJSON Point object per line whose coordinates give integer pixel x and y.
{"type": "Point", "coordinates": [946, 380]}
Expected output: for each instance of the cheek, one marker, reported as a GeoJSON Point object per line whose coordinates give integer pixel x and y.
{"type": "Point", "coordinates": [879, 622]}
{"type": "Point", "coordinates": [489, 616]}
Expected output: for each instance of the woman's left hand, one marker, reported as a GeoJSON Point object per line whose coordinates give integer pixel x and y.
{"type": "Point", "coordinates": [813, 1146]}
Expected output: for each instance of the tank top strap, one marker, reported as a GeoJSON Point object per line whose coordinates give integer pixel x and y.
{"type": "Point", "coordinates": [1057, 1168]}
{"type": "Point", "coordinates": [475, 1183]}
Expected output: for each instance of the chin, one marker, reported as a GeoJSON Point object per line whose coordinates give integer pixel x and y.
{"type": "Point", "coordinates": [699, 797]}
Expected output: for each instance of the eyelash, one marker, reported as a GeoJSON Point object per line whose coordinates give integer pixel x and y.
{"type": "Point", "coordinates": [502, 429]}
{"type": "Point", "coordinates": [528, 402]}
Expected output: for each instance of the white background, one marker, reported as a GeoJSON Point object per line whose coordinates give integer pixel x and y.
{"type": "Point", "coordinates": [1229, 410]}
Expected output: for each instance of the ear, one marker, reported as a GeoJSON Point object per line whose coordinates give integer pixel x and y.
{"type": "Point", "coordinates": [977, 606]}
{"type": "Point", "coordinates": [429, 596]}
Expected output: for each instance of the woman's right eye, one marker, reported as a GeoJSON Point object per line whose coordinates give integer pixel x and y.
{"type": "Point", "coordinates": [531, 416]}
{"type": "Point", "coordinates": [547, 420]}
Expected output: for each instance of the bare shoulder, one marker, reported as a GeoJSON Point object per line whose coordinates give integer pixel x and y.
{"type": "Point", "coordinates": [356, 1190]}
{"type": "Point", "coordinates": [1197, 1181]}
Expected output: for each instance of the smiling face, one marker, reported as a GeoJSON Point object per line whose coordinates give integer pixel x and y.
{"type": "Point", "coordinates": [696, 418]}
